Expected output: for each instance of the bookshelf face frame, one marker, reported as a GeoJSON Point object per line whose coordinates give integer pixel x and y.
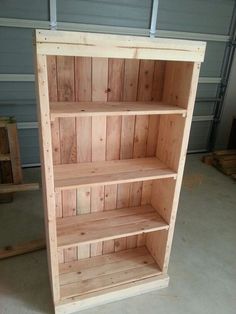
{"type": "Point", "coordinates": [120, 147]}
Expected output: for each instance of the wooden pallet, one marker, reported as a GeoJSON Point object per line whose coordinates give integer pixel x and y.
{"type": "Point", "coordinates": [115, 115]}
{"type": "Point", "coordinates": [10, 164]}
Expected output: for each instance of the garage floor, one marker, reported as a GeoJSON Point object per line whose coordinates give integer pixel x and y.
{"type": "Point", "coordinates": [203, 260]}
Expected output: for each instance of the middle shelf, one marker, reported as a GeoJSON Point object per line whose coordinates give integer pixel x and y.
{"type": "Point", "coordinates": [98, 108]}
{"type": "Point", "coordinates": [69, 176]}
{"type": "Point", "coordinates": [108, 225]}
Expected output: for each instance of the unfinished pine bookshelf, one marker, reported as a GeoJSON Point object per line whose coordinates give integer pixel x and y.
{"type": "Point", "coordinates": [114, 115]}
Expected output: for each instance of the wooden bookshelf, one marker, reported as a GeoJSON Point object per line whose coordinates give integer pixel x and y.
{"type": "Point", "coordinates": [114, 119]}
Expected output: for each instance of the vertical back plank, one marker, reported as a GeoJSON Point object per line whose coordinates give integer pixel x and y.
{"type": "Point", "coordinates": [83, 92]}
{"type": "Point", "coordinates": [130, 87]}
{"type": "Point", "coordinates": [115, 90]}
{"type": "Point", "coordinates": [158, 80]}
{"type": "Point", "coordinates": [66, 92]}
{"type": "Point", "coordinates": [99, 93]}
{"type": "Point", "coordinates": [145, 87]}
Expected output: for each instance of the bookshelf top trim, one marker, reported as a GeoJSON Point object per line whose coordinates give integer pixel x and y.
{"type": "Point", "coordinates": [118, 46]}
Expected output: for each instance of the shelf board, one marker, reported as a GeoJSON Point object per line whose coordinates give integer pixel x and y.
{"type": "Point", "coordinates": [96, 108]}
{"type": "Point", "coordinates": [108, 225]}
{"type": "Point", "coordinates": [69, 176]}
{"type": "Point", "coordinates": [106, 271]}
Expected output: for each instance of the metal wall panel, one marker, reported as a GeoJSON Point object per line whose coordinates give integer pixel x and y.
{"type": "Point", "coordinates": [199, 135]}
{"type": "Point", "coordinates": [16, 50]}
{"type": "Point", "coordinates": [206, 90]}
{"type": "Point", "coordinates": [213, 59]}
{"type": "Point", "coordinates": [16, 53]}
{"type": "Point", "coordinates": [204, 108]}
{"type": "Point", "coordinates": [198, 16]}
{"type": "Point", "coordinates": [25, 9]}
{"type": "Point", "coordinates": [29, 146]}
{"type": "Point", "coordinates": [17, 91]}
{"type": "Point", "coordinates": [132, 13]}
{"type": "Point", "coordinates": [23, 112]}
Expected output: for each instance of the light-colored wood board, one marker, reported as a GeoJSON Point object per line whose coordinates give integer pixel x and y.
{"type": "Point", "coordinates": [5, 157]}
{"type": "Point", "coordinates": [69, 209]}
{"type": "Point", "coordinates": [114, 40]}
{"type": "Point", "coordinates": [53, 96]}
{"type": "Point", "coordinates": [134, 47]}
{"type": "Point", "coordinates": [130, 81]}
{"type": "Point", "coordinates": [112, 294]}
{"type": "Point", "coordinates": [108, 225]}
{"type": "Point", "coordinates": [177, 135]}
{"type": "Point", "coordinates": [27, 247]}
{"type": "Point", "coordinates": [47, 173]}
{"type": "Point", "coordinates": [58, 211]}
{"type": "Point", "coordinates": [178, 78]}
{"type": "Point", "coordinates": [162, 197]}
{"type": "Point", "coordinates": [83, 92]}
{"type": "Point", "coordinates": [14, 148]}
{"type": "Point", "coordinates": [144, 93]}
{"type": "Point", "coordinates": [140, 136]}
{"type": "Point", "coordinates": [111, 108]}
{"type": "Point", "coordinates": [114, 272]}
{"type": "Point", "coordinates": [131, 75]}
{"type": "Point", "coordinates": [97, 205]}
{"type": "Point", "coordinates": [147, 192]}
{"type": "Point", "coordinates": [156, 242]}
{"type": "Point", "coordinates": [123, 193]}
{"type": "Point", "coordinates": [110, 280]}
{"type": "Point", "coordinates": [158, 80]}
{"type": "Point", "coordinates": [83, 77]}
{"type": "Point", "coordinates": [110, 203]}
{"type": "Point", "coordinates": [153, 128]}
{"type": "Point", "coordinates": [68, 152]}
{"type": "Point", "coordinates": [72, 267]}
{"type": "Point", "coordinates": [136, 258]}
{"type": "Point", "coordinates": [134, 200]}
{"type": "Point", "coordinates": [99, 93]}
{"type": "Point", "coordinates": [113, 135]}
{"type": "Point", "coordinates": [83, 207]}
{"type": "Point", "coordinates": [68, 176]}
{"type": "Point", "coordinates": [10, 188]}
{"type": "Point", "coordinates": [170, 138]}
{"type": "Point", "coordinates": [55, 134]}
{"type": "Point", "coordinates": [119, 52]}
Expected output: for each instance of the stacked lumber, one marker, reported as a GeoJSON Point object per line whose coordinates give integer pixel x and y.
{"type": "Point", "coordinates": [223, 160]}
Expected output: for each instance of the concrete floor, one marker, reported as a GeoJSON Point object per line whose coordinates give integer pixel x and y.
{"type": "Point", "coordinates": [203, 261]}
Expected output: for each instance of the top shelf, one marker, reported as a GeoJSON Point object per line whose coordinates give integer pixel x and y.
{"type": "Point", "coordinates": [98, 108]}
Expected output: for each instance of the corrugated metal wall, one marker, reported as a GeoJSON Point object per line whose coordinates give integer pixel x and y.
{"type": "Point", "coordinates": [190, 16]}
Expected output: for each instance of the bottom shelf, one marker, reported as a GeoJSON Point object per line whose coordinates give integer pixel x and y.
{"type": "Point", "coordinates": [106, 271]}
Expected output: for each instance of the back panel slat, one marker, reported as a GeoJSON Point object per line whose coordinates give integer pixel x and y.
{"type": "Point", "coordinates": [83, 92]}
{"type": "Point", "coordinates": [66, 92]}
{"type": "Point", "coordinates": [130, 90]}
{"type": "Point", "coordinates": [113, 134]}
{"type": "Point", "coordinates": [145, 83]}
{"type": "Point", "coordinates": [99, 93]}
